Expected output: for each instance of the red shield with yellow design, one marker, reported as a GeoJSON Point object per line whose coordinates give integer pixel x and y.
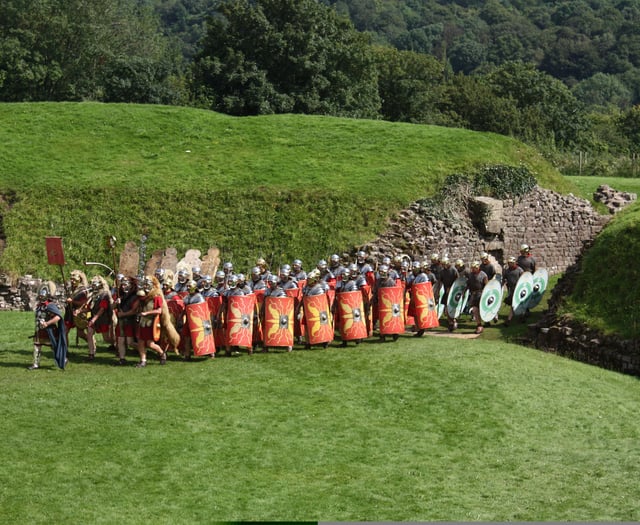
{"type": "Point", "coordinates": [239, 324]}
{"type": "Point", "coordinates": [258, 328]}
{"type": "Point", "coordinates": [424, 306]}
{"type": "Point", "coordinates": [391, 310]}
{"type": "Point", "coordinates": [296, 294]}
{"type": "Point", "coordinates": [215, 303]}
{"type": "Point", "coordinates": [200, 329]}
{"type": "Point", "coordinates": [352, 316]}
{"type": "Point", "coordinates": [278, 321]}
{"type": "Point", "coordinates": [175, 305]}
{"type": "Point", "coordinates": [317, 318]}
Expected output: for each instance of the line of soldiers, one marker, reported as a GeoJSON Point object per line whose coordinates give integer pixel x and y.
{"type": "Point", "coordinates": [189, 313]}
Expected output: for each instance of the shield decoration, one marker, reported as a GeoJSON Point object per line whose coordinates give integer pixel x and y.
{"type": "Point", "coordinates": [424, 306]}
{"type": "Point", "coordinates": [278, 321]}
{"type": "Point", "coordinates": [439, 293]}
{"type": "Point", "coordinates": [540, 281]}
{"type": "Point", "coordinates": [490, 300]}
{"type": "Point", "coordinates": [391, 310]}
{"type": "Point", "coordinates": [521, 294]}
{"type": "Point", "coordinates": [456, 297]}
{"type": "Point", "coordinates": [239, 324]}
{"type": "Point", "coordinates": [200, 329]}
{"type": "Point", "coordinates": [215, 303]}
{"type": "Point", "coordinates": [319, 325]}
{"type": "Point", "coordinates": [175, 305]}
{"type": "Point", "coordinates": [352, 316]}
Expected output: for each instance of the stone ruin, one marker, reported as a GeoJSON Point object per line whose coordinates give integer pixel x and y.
{"type": "Point", "coordinates": [614, 200]}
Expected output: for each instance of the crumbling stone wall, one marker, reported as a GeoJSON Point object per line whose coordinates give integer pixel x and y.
{"type": "Point", "coordinates": [554, 225]}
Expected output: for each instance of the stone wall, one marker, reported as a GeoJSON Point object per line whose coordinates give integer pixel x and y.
{"type": "Point", "coordinates": [554, 225]}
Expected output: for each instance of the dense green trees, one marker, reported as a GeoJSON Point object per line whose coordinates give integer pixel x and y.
{"type": "Point", "coordinates": [281, 56]}
{"type": "Point", "coordinates": [83, 49]}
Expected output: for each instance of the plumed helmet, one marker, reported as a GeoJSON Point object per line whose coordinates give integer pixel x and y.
{"type": "Point", "coordinates": [46, 291]}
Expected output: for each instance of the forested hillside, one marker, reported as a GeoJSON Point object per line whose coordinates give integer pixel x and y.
{"type": "Point", "coordinates": [563, 76]}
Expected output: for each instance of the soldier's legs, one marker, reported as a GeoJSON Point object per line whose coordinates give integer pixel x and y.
{"type": "Point", "coordinates": [37, 353]}
{"type": "Point", "coordinates": [91, 342]}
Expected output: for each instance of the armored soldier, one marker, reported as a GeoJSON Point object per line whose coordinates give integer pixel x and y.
{"type": "Point", "coordinates": [207, 289]}
{"type": "Point", "coordinates": [77, 304]}
{"type": "Point", "coordinates": [417, 276]}
{"type": "Point", "coordinates": [257, 283]}
{"type": "Point", "coordinates": [181, 287]}
{"type": "Point", "coordinates": [193, 297]}
{"type": "Point", "coordinates": [296, 270]}
{"type": "Point", "coordinates": [476, 282]}
{"type": "Point", "coordinates": [525, 260]}
{"type": "Point", "coordinates": [126, 308]}
{"type": "Point", "coordinates": [49, 329]}
{"type": "Point", "coordinates": [335, 266]}
{"type": "Point", "coordinates": [510, 275]}
{"type": "Point", "coordinates": [101, 308]}
{"type": "Point", "coordinates": [486, 266]}
{"type": "Point", "coordinates": [448, 276]}
{"type": "Point", "coordinates": [151, 302]}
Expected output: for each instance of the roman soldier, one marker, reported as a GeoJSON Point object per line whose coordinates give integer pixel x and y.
{"type": "Point", "coordinates": [296, 270]}
{"type": "Point", "coordinates": [257, 283]}
{"type": "Point", "coordinates": [511, 275]}
{"type": "Point", "coordinates": [476, 281]}
{"type": "Point", "coordinates": [448, 276]}
{"type": "Point", "coordinates": [525, 260]}
{"type": "Point", "coordinates": [101, 308]}
{"type": "Point", "coordinates": [193, 297]}
{"type": "Point", "coordinates": [77, 302]}
{"type": "Point", "coordinates": [126, 309]}
{"type": "Point", "coordinates": [49, 328]}
{"type": "Point", "coordinates": [418, 275]}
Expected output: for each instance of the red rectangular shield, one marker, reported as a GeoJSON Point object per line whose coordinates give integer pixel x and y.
{"type": "Point", "coordinates": [200, 330]}
{"type": "Point", "coordinates": [55, 253]}
{"type": "Point", "coordinates": [391, 310]}
{"type": "Point", "coordinates": [424, 306]}
{"type": "Point", "coordinates": [352, 316]}
{"type": "Point", "coordinates": [278, 321]}
{"type": "Point", "coordinates": [317, 319]}
{"type": "Point", "coordinates": [239, 322]}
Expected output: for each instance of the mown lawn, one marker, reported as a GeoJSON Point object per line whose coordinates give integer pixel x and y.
{"type": "Point", "coordinates": [418, 430]}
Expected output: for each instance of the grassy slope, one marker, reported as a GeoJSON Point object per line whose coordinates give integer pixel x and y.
{"type": "Point", "coordinates": [431, 429]}
{"type": "Point", "coordinates": [279, 186]}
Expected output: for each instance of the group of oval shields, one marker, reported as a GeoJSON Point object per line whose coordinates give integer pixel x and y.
{"type": "Point", "coordinates": [527, 295]}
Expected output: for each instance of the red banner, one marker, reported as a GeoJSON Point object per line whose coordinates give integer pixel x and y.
{"type": "Point", "coordinates": [318, 320]}
{"type": "Point", "coordinates": [390, 310]}
{"type": "Point", "coordinates": [424, 306]}
{"type": "Point", "coordinates": [200, 330]}
{"type": "Point", "coordinates": [239, 322]}
{"type": "Point", "coordinates": [278, 321]}
{"type": "Point", "coordinates": [55, 253]}
{"type": "Point", "coordinates": [352, 316]}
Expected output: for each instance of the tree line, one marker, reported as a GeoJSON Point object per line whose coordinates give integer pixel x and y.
{"type": "Point", "coordinates": [561, 75]}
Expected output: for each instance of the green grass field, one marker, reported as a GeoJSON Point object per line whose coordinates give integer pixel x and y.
{"type": "Point", "coordinates": [418, 430]}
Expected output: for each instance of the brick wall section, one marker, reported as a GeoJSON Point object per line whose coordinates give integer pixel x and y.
{"type": "Point", "coordinates": [554, 225]}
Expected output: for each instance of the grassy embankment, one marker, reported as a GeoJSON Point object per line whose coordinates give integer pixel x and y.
{"type": "Point", "coordinates": [430, 429]}
{"type": "Point", "coordinates": [280, 186]}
